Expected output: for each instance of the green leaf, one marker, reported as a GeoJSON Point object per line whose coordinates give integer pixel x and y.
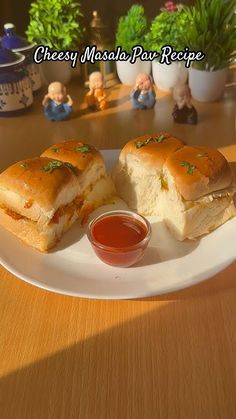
{"type": "Point", "coordinates": [139, 144]}
{"type": "Point", "coordinates": [55, 164]}
{"type": "Point", "coordinates": [83, 149]}
{"type": "Point", "coordinates": [132, 29]}
{"type": "Point", "coordinates": [212, 30]}
{"type": "Point", "coordinates": [158, 139]}
{"type": "Point", "coordinates": [169, 29]}
{"type": "Point", "coordinates": [190, 167]}
{"type": "Point", "coordinates": [52, 165]}
{"type": "Point", "coordinates": [55, 23]}
{"type": "Point", "coordinates": [161, 138]}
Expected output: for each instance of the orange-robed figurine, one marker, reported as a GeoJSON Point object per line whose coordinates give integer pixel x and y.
{"type": "Point", "coordinates": [96, 97]}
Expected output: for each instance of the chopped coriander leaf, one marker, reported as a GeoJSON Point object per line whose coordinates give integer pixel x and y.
{"type": "Point", "coordinates": [159, 139]}
{"type": "Point", "coordinates": [83, 149]}
{"type": "Point", "coordinates": [139, 144]}
{"type": "Point", "coordinates": [24, 165]}
{"type": "Point", "coordinates": [53, 165]}
{"type": "Point", "coordinates": [190, 167]}
{"type": "Point", "coordinates": [184, 163]}
{"type": "Point", "coordinates": [55, 149]}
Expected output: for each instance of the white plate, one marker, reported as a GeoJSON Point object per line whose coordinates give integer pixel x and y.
{"type": "Point", "coordinates": [73, 268]}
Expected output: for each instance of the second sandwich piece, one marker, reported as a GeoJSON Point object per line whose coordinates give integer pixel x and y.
{"type": "Point", "coordinates": [95, 183]}
{"type": "Point", "coordinates": [191, 188]}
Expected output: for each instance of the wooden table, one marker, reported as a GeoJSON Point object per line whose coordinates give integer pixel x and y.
{"type": "Point", "coordinates": [168, 357]}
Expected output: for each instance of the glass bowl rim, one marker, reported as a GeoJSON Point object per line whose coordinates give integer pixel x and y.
{"type": "Point", "coordinates": [112, 249]}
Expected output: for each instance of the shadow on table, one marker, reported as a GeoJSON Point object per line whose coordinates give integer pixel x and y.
{"type": "Point", "coordinates": [117, 102]}
{"type": "Point", "coordinates": [161, 364]}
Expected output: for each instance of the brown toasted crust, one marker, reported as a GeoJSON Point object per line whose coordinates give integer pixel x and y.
{"type": "Point", "coordinates": [210, 171]}
{"type": "Point", "coordinates": [153, 153]}
{"type": "Point", "coordinates": [29, 179]}
{"type": "Point", "coordinates": [68, 152]}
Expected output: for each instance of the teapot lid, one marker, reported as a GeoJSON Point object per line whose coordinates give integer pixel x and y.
{"type": "Point", "coordinates": [8, 57]}
{"type": "Point", "coordinates": [13, 41]}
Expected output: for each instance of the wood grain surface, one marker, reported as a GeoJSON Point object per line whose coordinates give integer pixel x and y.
{"type": "Point", "coordinates": [167, 357]}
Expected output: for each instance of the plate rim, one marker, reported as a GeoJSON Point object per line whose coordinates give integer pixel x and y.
{"type": "Point", "coordinates": [200, 278]}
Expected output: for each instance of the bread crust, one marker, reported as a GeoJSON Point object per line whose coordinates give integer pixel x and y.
{"type": "Point", "coordinates": [190, 188]}
{"type": "Point", "coordinates": [33, 183]}
{"type": "Point", "coordinates": [72, 151]}
{"type": "Point", "coordinates": [199, 171]}
{"type": "Point", "coordinates": [153, 153]}
{"type": "Point", "coordinates": [40, 198]}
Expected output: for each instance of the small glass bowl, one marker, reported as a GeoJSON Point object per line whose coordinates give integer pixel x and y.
{"type": "Point", "coordinates": [120, 256]}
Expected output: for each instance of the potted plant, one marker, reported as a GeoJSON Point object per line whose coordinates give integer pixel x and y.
{"type": "Point", "coordinates": [212, 31]}
{"type": "Point", "coordinates": [168, 28]}
{"type": "Point", "coordinates": [55, 24]}
{"type": "Point", "coordinates": [131, 31]}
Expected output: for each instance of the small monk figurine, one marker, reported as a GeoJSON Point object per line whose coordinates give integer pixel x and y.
{"type": "Point", "coordinates": [184, 111]}
{"type": "Point", "coordinates": [143, 95]}
{"type": "Point", "coordinates": [96, 97]}
{"type": "Point", "coordinates": [57, 104]}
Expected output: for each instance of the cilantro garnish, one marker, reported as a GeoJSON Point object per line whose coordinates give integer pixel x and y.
{"type": "Point", "coordinates": [55, 164]}
{"type": "Point", "coordinates": [24, 165]}
{"type": "Point", "coordinates": [139, 144]}
{"type": "Point", "coordinates": [83, 149]}
{"type": "Point", "coordinates": [190, 167]}
{"type": "Point", "coordinates": [158, 139]}
{"type": "Point", "coordinates": [55, 149]}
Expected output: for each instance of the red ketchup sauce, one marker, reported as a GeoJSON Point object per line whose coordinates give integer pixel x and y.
{"type": "Point", "coordinates": [120, 233]}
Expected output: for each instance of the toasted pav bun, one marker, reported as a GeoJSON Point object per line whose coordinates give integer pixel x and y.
{"type": "Point", "coordinates": [78, 153]}
{"type": "Point", "coordinates": [36, 199]}
{"type": "Point", "coordinates": [37, 187]}
{"type": "Point", "coordinates": [137, 175]}
{"type": "Point", "coordinates": [96, 185]}
{"type": "Point", "coordinates": [191, 188]}
{"type": "Point", "coordinates": [198, 171]}
{"type": "Point", "coordinates": [41, 198]}
{"type": "Point", "coordinates": [152, 149]}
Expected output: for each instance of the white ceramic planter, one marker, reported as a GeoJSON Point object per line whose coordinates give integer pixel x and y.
{"type": "Point", "coordinates": [56, 71]}
{"type": "Point", "coordinates": [128, 72]}
{"type": "Point", "coordinates": [207, 86]}
{"type": "Point", "coordinates": [167, 76]}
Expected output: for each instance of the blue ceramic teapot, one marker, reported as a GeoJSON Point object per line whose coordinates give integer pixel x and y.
{"type": "Point", "coordinates": [15, 86]}
{"type": "Point", "coordinates": [20, 45]}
